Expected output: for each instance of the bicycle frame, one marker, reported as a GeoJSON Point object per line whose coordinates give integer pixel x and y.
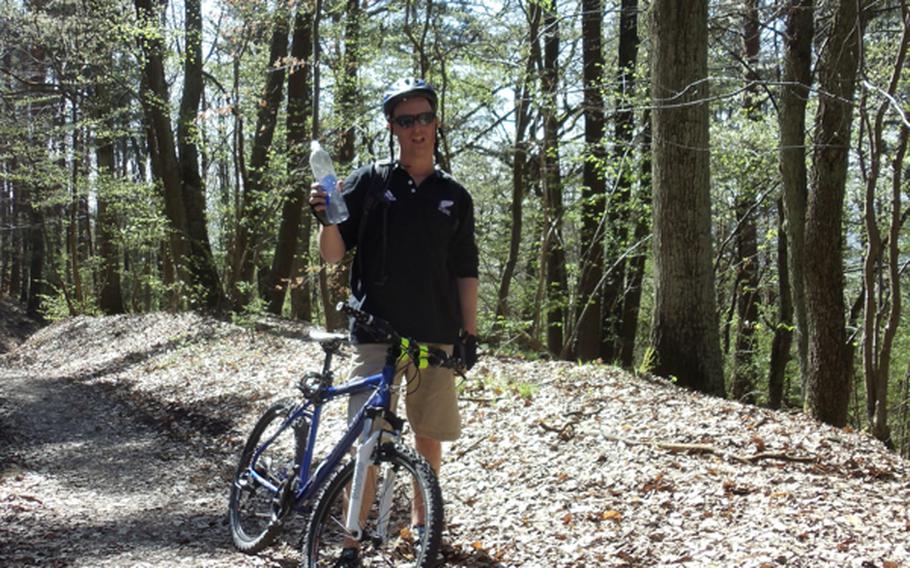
{"type": "Point", "coordinates": [307, 484]}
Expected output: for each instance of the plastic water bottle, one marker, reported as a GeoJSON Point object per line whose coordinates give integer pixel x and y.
{"type": "Point", "coordinates": [336, 210]}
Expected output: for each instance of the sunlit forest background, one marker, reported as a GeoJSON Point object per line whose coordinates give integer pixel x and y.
{"type": "Point", "coordinates": [712, 191]}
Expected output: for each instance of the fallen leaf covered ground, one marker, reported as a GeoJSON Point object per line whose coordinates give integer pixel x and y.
{"type": "Point", "coordinates": [119, 436]}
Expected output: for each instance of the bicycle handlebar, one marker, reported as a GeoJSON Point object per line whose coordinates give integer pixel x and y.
{"type": "Point", "coordinates": [370, 322]}
{"type": "Point", "coordinates": [382, 328]}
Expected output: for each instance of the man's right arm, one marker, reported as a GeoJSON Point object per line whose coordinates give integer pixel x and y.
{"type": "Point", "coordinates": [331, 245]}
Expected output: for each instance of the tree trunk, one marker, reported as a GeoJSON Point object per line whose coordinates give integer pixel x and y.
{"type": "Point", "coordinates": [636, 270]}
{"type": "Point", "coordinates": [684, 330]}
{"type": "Point", "coordinates": [877, 343]}
{"type": "Point", "coordinates": [744, 371]}
{"type": "Point", "coordinates": [783, 336]}
{"type": "Point", "coordinates": [110, 296]}
{"type": "Point", "coordinates": [337, 276]}
{"type": "Point", "coordinates": [292, 214]}
{"type": "Point", "coordinates": [250, 226]}
{"type": "Point", "coordinates": [553, 248]}
{"type": "Point", "coordinates": [302, 288]}
{"type": "Point", "coordinates": [200, 262]}
{"type": "Point", "coordinates": [519, 164]}
{"type": "Point", "coordinates": [828, 384]}
{"type": "Point", "coordinates": [155, 104]}
{"type": "Point", "coordinates": [880, 427]}
{"type": "Point", "coordinates": [797, 79]}
{"type": "Point", "coordinates": [620, 209]}
{"type": "Point", "coordinates": [72, 234]}
{"type": "Point", "coordinates": [14, 250]}
{"type": "Point", "coordinates": [588, 310]}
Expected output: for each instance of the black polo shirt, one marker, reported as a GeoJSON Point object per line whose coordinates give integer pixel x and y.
{"type": "Point", "coordinates": [418, 241]}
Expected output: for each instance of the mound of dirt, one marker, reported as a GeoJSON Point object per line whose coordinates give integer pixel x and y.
{"type": "Point", "coordinates": [15, 325]}
{"type": "Point", "coordinates": [559, 465]}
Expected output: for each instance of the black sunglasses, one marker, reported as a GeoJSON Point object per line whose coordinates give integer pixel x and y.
{"type": "Point", "coordinates": [408, 120]}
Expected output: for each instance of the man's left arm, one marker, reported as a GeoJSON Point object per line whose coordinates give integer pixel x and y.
{"type": "Point", "coordinates": [467, 298]}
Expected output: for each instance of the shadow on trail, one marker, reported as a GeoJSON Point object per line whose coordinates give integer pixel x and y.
{"type": "Point", "coordinates": [475, 558]}
{"type": "Point", "coordinates": [85, 433]}
{"type": "Point", "coordinates": [138, 537]}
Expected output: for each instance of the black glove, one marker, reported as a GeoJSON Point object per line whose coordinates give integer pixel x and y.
{"type": "Point", "coordinates": [466, 349]}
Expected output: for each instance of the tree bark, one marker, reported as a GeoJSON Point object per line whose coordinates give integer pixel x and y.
{"type": "Point", "coordinates": [684, 329]}
{"type": "Point", "coordinates": [292, 214]}
{"type": "Point", "coordinates": [110, 295]}
{"type": "Point", "coordinates": [553, 245]}
{"type": "Point", "coordinates": [337, 276]}
{"type": "Point", "coordinates": [877, 342]}
{"type": "Point", "coordinates": [588, 309]}
{"type": "Point", "coordinates": [248, 241]}
{"type": "Point", "coordinates": [200, 261]}
{"type": "Point", "coordinates": [519, 166]}
{"type": "Point", "coordinates": [155, 104]}
{"type": "Point", "coordinates": [73, 233]}
{"type": "Point", "coordinates": [783, 336]}
{"type": "Point", "coordinates": [797, 79]}
{"type": "Point", "coordinates": [636, 263]}
{"type": "Point", "coordinates": [744, 371]}
{"type": "Point", "coordinates": [828, 384]}
{"type": "Point", "coordinates": [621, 212]}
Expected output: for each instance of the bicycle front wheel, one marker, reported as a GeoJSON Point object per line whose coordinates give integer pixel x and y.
{"type": "Point", "coordinates": [401, 521]}
{"type": "Point", "coordinates": [258, 508]}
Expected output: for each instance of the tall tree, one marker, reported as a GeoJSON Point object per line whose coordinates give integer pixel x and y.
{"type": "Point", "coordinates": [553, 250]}
{"type": "Point", "coordinates": [622, 213]}
{"type": "Point", "coordinates": [293, 222]}
{"type": "Point", "coordinates": [747, 260]}
{"type": "Point", "coordinates": [684, 331]}
{"type": "Point", "coordinates": [828, 381]}
{"type": "Point", "coordinates": [247, 244]}
{"type": "Point", "coordinates": [783, 334]}
{"type": "Point", "coordinates": [201, 261]}
{"type": "Point", "coordinates": [588, 318]}
{"type": "Point", "coordinates": [110, 294]}
{"type": "Point", "coordinates": [335, 279]}
{"type": "Point", "coordinates": [162, 147]}
{"type": "Point", "coordinates": [794, 94]}
{"type": "Point", "coordinates": [877, 342]}
{"type": "Point", "coordinates": [635, 274]}
{"type": "Point", "coordinates": [519, 160]}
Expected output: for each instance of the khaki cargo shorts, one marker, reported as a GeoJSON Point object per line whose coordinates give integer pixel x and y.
{"type": "Point", "coordinates": [431, 401]}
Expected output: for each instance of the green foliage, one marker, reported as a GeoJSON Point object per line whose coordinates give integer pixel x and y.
{"type": "Point", "coordinates": [87, 89]}
{"type": "Point", "coordinates": [648, 361]}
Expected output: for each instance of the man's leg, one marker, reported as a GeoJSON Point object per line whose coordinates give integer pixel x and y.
{"type": "Point", "coordinates": [430, 449]}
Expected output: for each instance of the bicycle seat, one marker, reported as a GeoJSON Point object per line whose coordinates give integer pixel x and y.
{"type": "Point", "coordinates": [328, 340]}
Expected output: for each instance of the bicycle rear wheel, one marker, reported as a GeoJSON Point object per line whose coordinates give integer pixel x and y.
{"type": "Point", "coordinates": [256, 512]}
{"type": "Point", "coordinates": [402, 477]}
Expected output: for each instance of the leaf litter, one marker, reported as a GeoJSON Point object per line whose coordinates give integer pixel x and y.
{"type": "Point", "coordinates": [559, 464]}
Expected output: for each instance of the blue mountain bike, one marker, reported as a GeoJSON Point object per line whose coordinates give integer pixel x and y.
{"type": "Point", "coordinates": [385, 502]}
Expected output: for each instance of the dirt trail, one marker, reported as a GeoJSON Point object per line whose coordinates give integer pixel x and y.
{"type": "Point", "coordinates": [84, 483]}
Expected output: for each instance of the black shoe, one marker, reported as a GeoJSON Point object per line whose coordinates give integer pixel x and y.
{"type": "Point", "coordinates": [349, 558]}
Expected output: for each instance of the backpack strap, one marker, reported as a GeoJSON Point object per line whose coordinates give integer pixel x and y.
{"type": "Point", "coordinates": [379, 182]}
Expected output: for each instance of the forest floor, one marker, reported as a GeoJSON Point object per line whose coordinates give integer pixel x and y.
{"type": "Point", "coordinates": [118, 439]}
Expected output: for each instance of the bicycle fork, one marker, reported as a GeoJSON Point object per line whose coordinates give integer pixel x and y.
{"type": "Point", "coordinates": [358, 487]}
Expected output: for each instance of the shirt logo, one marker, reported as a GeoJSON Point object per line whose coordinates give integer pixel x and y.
{"type": "Point", "coordinates": [444, 206]}
{"type": "Point", "coordinates": [388, 197]}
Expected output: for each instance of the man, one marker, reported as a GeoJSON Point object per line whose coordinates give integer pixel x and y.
{"type": "Point", "coordinates": [415, 264]}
